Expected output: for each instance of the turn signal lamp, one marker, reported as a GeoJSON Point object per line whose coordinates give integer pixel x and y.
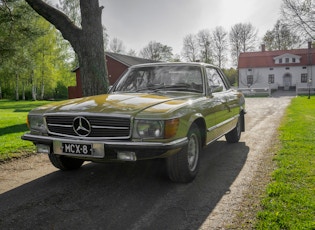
{"type": "Point", "coordinates": [171, 127]}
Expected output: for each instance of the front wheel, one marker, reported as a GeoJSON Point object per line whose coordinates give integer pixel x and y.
{"type": "Point", "coordinates": [183, 166]}
{"type": "Point", "coordinates": [235, 134]}
{"type": "Point", "coordinates": [64, 162]}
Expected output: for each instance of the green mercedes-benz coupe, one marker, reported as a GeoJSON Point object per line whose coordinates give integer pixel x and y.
{"type": "Point", "coordinates": [158, 110]}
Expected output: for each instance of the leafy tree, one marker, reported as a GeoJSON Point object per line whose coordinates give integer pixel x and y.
{"type": "Point", "coordinates": [61, 91]}
{"type": "Point", "coordinates": [190, 48]}
{"type": "Point", "coordinates": [299, 16]}
{"type": "Point", "coordinates": [86, 41]}
{"type": "Point", "coordinates": [6, 19]}
{"type": "Point", "coordinates": [242, 39]}
{"type": "Point", "coordinates": [157, 51]}
{"type": "Point", "coordinates": [37, 58]}
{"type": "Point", "coordinates": [280, 38]}
{"type": "Point", "coordinates": [19, 37]}
{"type": "Point", "coordinates": [72, 9]}
{"type": "Point", "coordinates": [220, 45]}
{"type": "Point", "coordinates": [232, 75]}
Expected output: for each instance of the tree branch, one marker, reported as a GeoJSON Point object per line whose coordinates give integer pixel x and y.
{"type": "Point", "coordinates": [67, 28]}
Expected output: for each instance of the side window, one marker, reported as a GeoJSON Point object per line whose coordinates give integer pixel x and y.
{"type": "Point", "coordinates": [214, 80]}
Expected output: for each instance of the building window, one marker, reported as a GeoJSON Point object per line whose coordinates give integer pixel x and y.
{"type": "Point", "coordinates": [250, 79]}
{"type": "Point", "coordinates": [304, 67]}
{"type": "Point", "coordinates": [287, 60]}
{"type": "Point", "coordinates": [304, 78]}
{"type": "Point", "coordinates": [287, 68]}
{"type": "Point", "coordinates": [249, 70]}
{"type": "Point", "coordinates": [271, 78]}
{"type": "Point", "coordinates": [280, 61]}
{"type": "Point", "coordinates": [270, 68]}
{"type": "Point", "coordinates": [293, 60]}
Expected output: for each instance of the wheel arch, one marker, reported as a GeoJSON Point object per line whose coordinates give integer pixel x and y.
{"type": "Point", "coordinates": [242, 114]}
{"type": "Point", "coordinates": [200, 122]}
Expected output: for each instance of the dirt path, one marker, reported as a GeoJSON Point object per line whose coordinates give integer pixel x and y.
{"type": "Point", "coordinates": [35, 195]}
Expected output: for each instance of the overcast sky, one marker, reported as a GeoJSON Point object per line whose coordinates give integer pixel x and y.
{"type": "Point", "coordinates": [137, 22]}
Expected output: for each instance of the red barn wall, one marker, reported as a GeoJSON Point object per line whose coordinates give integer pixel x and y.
{"type": "Point", "coordinates": [114, 68]}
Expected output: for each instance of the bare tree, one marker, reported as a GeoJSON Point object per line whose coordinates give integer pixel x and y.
{"type": "Point", "coordinates": [116, 46]}
{"type": "Point", "coordinates": [220, 45]}
{"type": "Point", "coordinates": [86, 41]}
{"type": "Point", "coordinates": [300, 17]}
{"type": "Point", "coordinates": [280, 38]}
{"type": "Point", "coordinates": [242, 39]}
{"type": "Point", "coordinates": [236, 42]}
{"type": "Point", "coordinates": [157, 52]}
{"type": "Point", "coordinates": [190, 48]}
{"type": "Point", "coordinates": [204, 42]}
{"type": "Point", "coordinates": [132, 52]}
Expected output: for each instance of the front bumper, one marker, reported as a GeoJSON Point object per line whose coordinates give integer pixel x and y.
{"type": "Point", "coordinates": [109, 149]}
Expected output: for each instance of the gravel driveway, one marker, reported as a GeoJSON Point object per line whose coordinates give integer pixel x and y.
{"type": "Point", "coordinates": [35, 195]}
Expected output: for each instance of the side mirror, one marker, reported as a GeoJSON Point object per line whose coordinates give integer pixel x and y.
{"type": "Point", "coordinates": [216, 88]}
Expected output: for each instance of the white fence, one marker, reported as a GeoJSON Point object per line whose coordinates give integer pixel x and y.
{"type": "Point", "coordinates": [304, 90]}
{"type": "Point", "coordinates": [267, 91]}
{"type": "Point", "coordinates": [255, 91]}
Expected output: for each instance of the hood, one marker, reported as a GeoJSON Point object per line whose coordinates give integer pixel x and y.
{"type": "Point", "coordinates": [129, 104]}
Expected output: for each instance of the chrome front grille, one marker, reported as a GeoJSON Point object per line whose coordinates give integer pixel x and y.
{"type": "Point", "coordinates": [100, 126]}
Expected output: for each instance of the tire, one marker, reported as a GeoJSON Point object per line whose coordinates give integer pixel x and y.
{"type": "Point", "coordinates": [235, 134]}
{"type": "Point", "coordinates": [65, 163]}
{"type": "Point", "coordinates": [184, 165]}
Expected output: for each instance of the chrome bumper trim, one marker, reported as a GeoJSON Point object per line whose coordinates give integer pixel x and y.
{"type": "Point", "coordinates": [110, 144]}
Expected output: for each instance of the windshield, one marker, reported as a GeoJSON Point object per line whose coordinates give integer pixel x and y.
{"type": "Point", "coordinates": [179, 78]}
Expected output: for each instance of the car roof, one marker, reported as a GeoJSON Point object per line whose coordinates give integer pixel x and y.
{"type": "Point", "coordinates": [172, 64]}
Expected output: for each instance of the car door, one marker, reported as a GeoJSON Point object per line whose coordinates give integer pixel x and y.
{"type": "Point", "coordinates": [231, 97]}
{"type": "Point", "coordinates": [225, 100]}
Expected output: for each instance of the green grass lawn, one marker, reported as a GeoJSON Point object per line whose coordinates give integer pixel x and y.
{"type": "Point", "coordinates": [290, 198]}
{"type": "Point", "coordinates": [13, 125]}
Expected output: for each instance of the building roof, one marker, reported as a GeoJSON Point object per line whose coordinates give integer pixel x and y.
{"type": "Point", "coordinates": [267, 58]}
{"type": "Point", "coordinates": [128, 60]}
{"type": "Point", "coordinates": [124, 59]}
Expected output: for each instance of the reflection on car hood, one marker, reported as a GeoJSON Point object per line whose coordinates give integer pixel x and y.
{"type": "Point", "coordinates": [119, 104]}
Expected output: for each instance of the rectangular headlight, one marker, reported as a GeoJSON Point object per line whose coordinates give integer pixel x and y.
{"type": "Point", "coordinates": [36, 123]}
{"type": "Point", "coordinates": [155, 129]}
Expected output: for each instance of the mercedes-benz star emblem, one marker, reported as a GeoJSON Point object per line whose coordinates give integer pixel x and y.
{"type": "Point", "coordinates": [81, 126]}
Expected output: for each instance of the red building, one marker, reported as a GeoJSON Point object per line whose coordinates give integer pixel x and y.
{"type": "Point", "coordinates": [116, 65]}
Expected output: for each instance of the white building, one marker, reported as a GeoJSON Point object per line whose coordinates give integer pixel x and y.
{"type": "Point", "coordinates": [281, 69]}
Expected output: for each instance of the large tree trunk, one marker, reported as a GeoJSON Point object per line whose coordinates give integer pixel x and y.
{"type": "Point", "coordinates": [87, 41]}
{"type": "Point", "coordinates": [91, 60]}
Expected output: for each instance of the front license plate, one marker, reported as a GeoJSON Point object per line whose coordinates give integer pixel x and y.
{"type": "Point", "coordinates": [81, 149]}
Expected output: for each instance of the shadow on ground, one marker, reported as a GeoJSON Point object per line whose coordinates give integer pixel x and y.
{"type": "Point", "coordinates": [123, 196]}
{"type": "Point", "coordinates": [13, 129]}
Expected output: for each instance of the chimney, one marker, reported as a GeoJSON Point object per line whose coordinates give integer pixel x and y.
{"type": "Point", "coordinates": [263, 47]}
